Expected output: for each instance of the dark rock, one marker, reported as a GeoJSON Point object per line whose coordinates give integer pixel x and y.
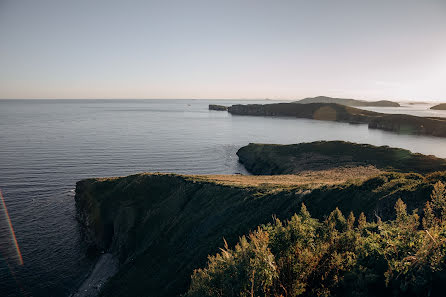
{"type": "Point", "coordinates": [217, 107]}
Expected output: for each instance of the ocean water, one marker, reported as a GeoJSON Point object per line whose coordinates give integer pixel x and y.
{"type": "Point", "coordinates": [48, 145]}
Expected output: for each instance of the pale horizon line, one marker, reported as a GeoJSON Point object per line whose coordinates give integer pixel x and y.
{"type": "Point", "coordinates": [234, 98]}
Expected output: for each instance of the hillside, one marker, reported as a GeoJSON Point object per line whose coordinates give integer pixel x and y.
{"type": "Point", "coordinates": [163, 226]}
{"type": "Point", "coordinates": [348, 102]}
{"type": "Point", "coordinates": [398, 123]}
{"type": "Point", "coordinates": [339, 256]}
{"type": "Point", "coordinates": [322, 155]}
{"type": "Point", "coordinates": [441, 106]}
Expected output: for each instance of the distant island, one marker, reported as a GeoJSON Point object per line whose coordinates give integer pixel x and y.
{"type": "Point", "coordinates": [349, 102]}
{"type": "Point", "coordinates": [441, 106]}
{"type": "Point", "coordinates": [399, 123]}
{"type": "Point", "coordinates": [163, 227]}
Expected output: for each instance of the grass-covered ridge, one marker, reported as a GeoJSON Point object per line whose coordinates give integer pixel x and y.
{"type": "Point", "coordinates": [323, 155]}
{"type": "Point", "coordinates": [163, 226]}
{"type": "Point", "coordinates": [336, 256]}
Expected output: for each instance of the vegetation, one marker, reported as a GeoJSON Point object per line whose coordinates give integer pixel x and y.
{"type": "Point", "coordinates": [336, 256]}
{"type": "Point", "coordinates": [163, 226]}
{"type": "Point", "coordinates": [323, 155]}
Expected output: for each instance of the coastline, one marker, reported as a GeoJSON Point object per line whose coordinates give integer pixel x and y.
{"type": "Point", "coordinates": [105, 267]}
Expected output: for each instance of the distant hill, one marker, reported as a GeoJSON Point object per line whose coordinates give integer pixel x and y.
{"type": "Point", "coordinates": [441, 106]}
{"type": "Point", "coordinates": [348, 102]}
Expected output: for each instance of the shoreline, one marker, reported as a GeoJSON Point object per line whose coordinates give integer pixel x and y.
{"type": "Point", "coordinates": [105, 267]}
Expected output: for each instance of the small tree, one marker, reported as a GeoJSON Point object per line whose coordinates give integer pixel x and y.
{"type": "Point", "coordinates": [429, 216]}
{"type": "Point", "coordinates": [350, 221]}
{"type": "Point", "coordinates": [362, 221]}
{"type": "Point", "coordinates": [304, 213]}
{"type": "Point", "coordinates": [438, 201]}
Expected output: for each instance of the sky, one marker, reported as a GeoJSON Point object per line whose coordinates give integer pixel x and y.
{"type": "Point", "coordinates": [277, 49]}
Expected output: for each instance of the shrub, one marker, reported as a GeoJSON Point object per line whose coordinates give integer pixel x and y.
{"type": "Point", "coordinates": [307, 257]}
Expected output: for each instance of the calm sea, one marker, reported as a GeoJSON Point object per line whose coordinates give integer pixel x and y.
{"type": "Point", "coordinates": [48, 145]}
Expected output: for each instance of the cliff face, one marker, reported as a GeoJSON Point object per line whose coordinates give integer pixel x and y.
{"type": "Point", "coordinates": [399, 123]}
{"type": "Point", "coordinates": [407, 124]}
{"type": "Point", "coordinates": [323, 155]}
{"type": "Point", "coordinates": [317, 111]}
{"type": "Point", "coordinates": [163, 226]}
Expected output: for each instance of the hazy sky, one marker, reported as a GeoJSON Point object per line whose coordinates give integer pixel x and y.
{"type": "Point", "coordinates": [376, 49]}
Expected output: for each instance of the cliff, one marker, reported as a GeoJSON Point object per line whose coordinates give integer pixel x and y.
{"type": "Point", "coordinates": [217, 107]}
{"type": "Point", "coordinates": [317, 111]}
{"type": "Point", "coordinates": [398, 123]}
{"type": "Point", "coordinates": [163, 226]}
{"type": "Point", "coordinates": [322, 155]}
{"type": "Point", "coordinates": [441, 106]}
{"type": "Point", "coordinates": [407, 124]}
{"type": "Point", "coordinates": [349, 102]}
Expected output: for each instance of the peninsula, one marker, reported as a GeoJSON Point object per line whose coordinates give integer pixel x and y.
{"type": "Point", "coordinates": [399, 123]}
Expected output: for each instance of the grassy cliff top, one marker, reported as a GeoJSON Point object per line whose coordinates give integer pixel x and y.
{"type": "Point", "coordinates": [309, 179]}
{"type": "Point", "coordinates": [306, 179]}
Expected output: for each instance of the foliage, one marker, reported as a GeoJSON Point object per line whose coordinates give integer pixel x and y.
{"type": "Point", "coordinates": [337, 256]}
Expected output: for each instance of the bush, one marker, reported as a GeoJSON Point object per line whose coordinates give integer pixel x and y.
{"type": "Point", "coordinates": [335, 257]}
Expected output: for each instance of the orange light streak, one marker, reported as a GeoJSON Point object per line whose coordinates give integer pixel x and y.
{"type": "Point", "coordinates": [11, 230]}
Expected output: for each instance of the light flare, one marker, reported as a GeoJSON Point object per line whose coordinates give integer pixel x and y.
{"type": "Point", "coordinates": [13, 238]}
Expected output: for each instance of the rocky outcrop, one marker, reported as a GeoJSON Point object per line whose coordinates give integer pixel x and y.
{"type": "Point", "coordinates": [441, 106]}
{"type": "Point", "coordinates": [217, 107]}
{"type": "Point", "coordinates": [349, 102]}
{"type": "Point", "coordinates": [267, 159]}
{"type": "Point", "coordinates": [163, 226]}
{"type": "Point", "coordinates": [399, 123]}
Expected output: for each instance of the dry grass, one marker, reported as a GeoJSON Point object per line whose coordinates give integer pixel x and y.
{"type": "Point", "coordinates": [308, 178]}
